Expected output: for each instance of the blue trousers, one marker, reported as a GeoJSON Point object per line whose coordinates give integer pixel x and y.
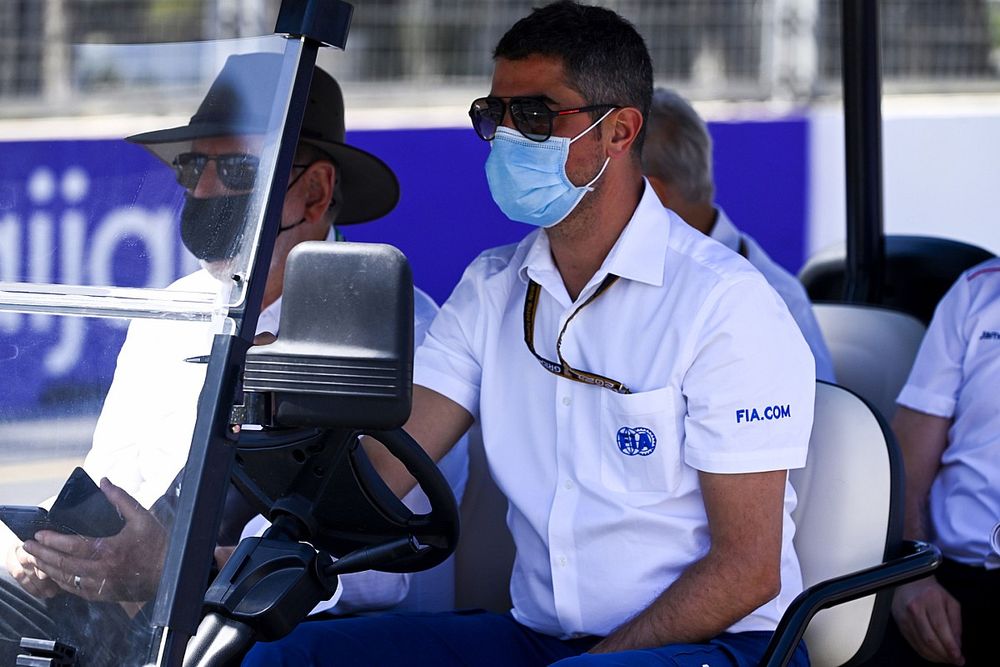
{"type": "Point", "coordinates": [482, 639]}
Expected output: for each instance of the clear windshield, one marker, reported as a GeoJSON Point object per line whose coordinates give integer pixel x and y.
{"type": "Point", "coordinates": [107, 316]}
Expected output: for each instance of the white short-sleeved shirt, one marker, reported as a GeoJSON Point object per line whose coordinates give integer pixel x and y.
{"type": "Point", "coordinates": [605, 505]}
{"type": "Point", "coordinates": [144, 430]}
{"type": "Point", "coordinates": [956, 375]}
{"type": "Point", "coordinates": [785, 284]}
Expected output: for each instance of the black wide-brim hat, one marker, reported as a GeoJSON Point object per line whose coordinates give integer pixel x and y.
{"type": "Point", "coordinates": [239, 102]}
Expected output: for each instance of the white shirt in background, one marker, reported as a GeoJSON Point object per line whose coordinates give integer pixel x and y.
{"type": "Point", "coordinates": [956, 375]}
{"type": "Point", "coordinates": [785, 284]}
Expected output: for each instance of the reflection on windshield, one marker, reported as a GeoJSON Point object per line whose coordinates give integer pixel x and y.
{"type": "Point", "coordinates": [105, 212]}
{"type": "Point", "coordinates": [126, 413]}
{"type": "Point", "coordinates": [106, 322]}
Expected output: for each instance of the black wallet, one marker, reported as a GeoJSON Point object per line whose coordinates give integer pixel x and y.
{"type": "Point", "coordinates": [81, 508]}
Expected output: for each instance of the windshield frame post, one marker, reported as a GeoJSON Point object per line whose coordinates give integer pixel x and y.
{"type": "Point", "coordinates": [200, 505]}
{"type": "Point", "coordinates": [326, 22]}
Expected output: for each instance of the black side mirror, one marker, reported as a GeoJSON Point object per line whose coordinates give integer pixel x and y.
{"type": "Point", "coordinates": [345, 354]}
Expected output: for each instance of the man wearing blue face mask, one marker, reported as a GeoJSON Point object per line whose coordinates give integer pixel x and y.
{"type": "Point", "coordinates": [641, 390]}
{"type": "Point", "coordinates": [526, 171]}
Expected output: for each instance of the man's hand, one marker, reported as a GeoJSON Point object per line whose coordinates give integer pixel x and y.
{"type": "Point", "coordinates": [124, 567]}
{"type": "Point", "coordinates": [930, 619]}
{"type": "Point", "coordinates": [23, 568]}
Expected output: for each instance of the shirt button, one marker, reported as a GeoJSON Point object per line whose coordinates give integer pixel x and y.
{"type": "Point", "coordinates": [566, 400]}
{"type": "Point", "coordinates": [562, 561]}
{"type": "Point", "coordinates": [568, 484]}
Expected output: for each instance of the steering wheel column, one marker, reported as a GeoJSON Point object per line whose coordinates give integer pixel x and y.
{"type": "Point", "coordinates": [331, 514]}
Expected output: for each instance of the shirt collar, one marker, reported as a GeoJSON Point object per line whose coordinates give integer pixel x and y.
{"type": "Point", "coordinates": [270, 317]}
{"type": "Point", "coordinates": [638, 254]}
{"type": "Point", "coordinates": [538, 264]}
{"type": "Point", "coordinates": [724, 231]}
{"type": "Point", "coordinates": [641, 250]}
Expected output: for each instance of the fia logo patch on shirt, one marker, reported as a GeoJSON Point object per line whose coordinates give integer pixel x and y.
{"type": "Point", "coordinates": [638, 441]}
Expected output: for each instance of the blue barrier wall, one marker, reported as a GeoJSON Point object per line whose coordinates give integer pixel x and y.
{"type": "Point", "coordinates": [76, 213]}
{"type": "Point", "coordinates": [762, 180]}
{"type": "Point", "coordinates": [55, 228]}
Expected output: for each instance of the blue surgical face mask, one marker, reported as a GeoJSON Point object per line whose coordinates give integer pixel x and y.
{"type": "Point", "coordinates": [528, 178]}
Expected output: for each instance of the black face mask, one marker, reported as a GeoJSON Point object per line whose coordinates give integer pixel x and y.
{"type": "Point", "coordinates": [211, 228]}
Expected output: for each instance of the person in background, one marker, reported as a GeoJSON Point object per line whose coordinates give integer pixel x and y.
{"type": "Point", "coordinates": [677, 161]}
{"type": "Point", "coordinates": [948, 427]}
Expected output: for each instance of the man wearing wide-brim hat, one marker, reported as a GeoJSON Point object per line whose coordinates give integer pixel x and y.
{"type": "Point", "coordinates": [331, 181]}
{"type": "Point", "coordinates": [144, 430]}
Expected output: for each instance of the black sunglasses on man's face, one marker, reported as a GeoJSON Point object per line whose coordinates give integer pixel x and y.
{"type": "Point", "coordinates": [236, 171]}
{"type": "Point", "coordinates": [530, 115]}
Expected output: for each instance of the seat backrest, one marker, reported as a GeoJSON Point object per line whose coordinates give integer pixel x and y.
{"type": "Point", "coordinates": [872, 349]}
{"type": "Point", "coordinates": [918, 272]}
{"type": "Point", "coordinates": [485, 554]}
{"type": "Point", "coordinates": [848, 517]}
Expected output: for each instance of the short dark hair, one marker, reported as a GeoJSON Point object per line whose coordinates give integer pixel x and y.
{"type": "Point", "coordinates": [605, 57]}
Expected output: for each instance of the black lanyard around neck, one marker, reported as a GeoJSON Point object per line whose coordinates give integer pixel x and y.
{"type": "Point", "coordinates": [562, 368]}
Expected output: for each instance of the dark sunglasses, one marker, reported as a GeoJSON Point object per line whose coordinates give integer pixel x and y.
{"type": "Point", "coordinates": [237, 171]}
{"type": "Point", "coordinates": [531, 116]}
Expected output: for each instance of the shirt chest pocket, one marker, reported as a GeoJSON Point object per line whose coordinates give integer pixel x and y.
{"type": "Point", "coordinates": [640, 441]}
